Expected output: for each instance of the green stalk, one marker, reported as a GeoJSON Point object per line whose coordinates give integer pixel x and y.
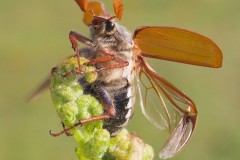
{"type": "Point", "coordinates": [72, 105]}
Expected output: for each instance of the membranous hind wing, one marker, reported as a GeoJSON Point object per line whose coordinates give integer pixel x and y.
{"type": "Point", "coordinates": [43, 86]}
{"type": "Point", "coordinates": [171, 108]}
{"type": "Point", "coordinates": [166, 107]}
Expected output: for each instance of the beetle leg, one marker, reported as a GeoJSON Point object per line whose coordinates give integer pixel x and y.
{"type": "Point", "coordinates": [119, 64]}
{"type": "Point", "coordinates": [74, 37]}
{"type": "Point", "coordinates": [106, 58]}
{"type": "Point", "coordinates": [53, 71]}
{"type": "Point", "coordinates": [109, 110]}
{"type": "Point", "coordinates": [66, 132]}
{"type": "Point", "coordinates": [106, 100]}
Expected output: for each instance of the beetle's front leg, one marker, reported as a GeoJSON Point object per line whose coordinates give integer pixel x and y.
{"type": "Point", "coordinates": [74, 37]}
{"type": "Point", "coordinates": [109, 110]}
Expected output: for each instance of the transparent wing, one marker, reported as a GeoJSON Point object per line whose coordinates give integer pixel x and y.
{"type": "Point", "coordinates": [177, 45]}
{"type": "Point", "coordinates": [166, 107]}
{"type": "Point", "coordinates": [44, 85]}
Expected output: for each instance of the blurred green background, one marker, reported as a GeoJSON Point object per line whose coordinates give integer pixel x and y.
{"type": "Point", "coordinates": [34, 37]}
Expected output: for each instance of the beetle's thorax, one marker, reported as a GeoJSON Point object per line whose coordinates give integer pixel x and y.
{"type": "Point", "coordinates": [117, 43]}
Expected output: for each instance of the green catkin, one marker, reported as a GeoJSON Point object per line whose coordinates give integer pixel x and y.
{"type": "Point", "coordinates": [72, 105]}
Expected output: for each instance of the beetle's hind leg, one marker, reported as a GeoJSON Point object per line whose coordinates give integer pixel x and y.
{"type": "Point", "coordinates": [64, 129]}
{"type": "Point", "coordinates": [109, 110]}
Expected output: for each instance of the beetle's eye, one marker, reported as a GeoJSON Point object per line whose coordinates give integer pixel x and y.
{"type": "Point", "coordinates": [109, 26]}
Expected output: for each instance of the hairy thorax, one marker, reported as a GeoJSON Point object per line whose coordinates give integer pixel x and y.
{"type": "Point", "coordinates": [120, 46]}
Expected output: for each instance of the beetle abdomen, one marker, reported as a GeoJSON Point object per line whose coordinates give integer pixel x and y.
{"type": "Point", "coordinates": [122, 94]}
{"type": "Point", "coordinates": [124, 99]}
